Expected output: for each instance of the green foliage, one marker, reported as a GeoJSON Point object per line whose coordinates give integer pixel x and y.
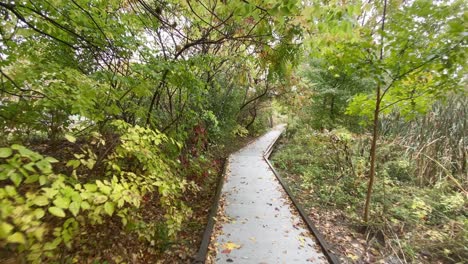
{"type": "Point", "coordinates": [401, 170]}
{"type": "Point", "coordinates": [79, 64]}
{"type": "Point", "coordinates": [366, 64]}
{"type": "Point", "coordinates": [321, 161]}
{"type": "Point", "coordinates": [345, 65]}
{"type": "Point", "coordinates": [329, 91]}
{"type": "Point", "coordinates": [329, 169]}
{"type": "Point", "coordinates": [240, 131]}
{"type": "Point", "coordinates": [416, 69]}
{"type": "Point", "coordinates": [32, 193]}
{"type": "Point", "coordinates": [119, 92]}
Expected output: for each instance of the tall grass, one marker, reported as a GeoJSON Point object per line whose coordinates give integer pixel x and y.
{"type": "Point", "coordinates": [436, 142]}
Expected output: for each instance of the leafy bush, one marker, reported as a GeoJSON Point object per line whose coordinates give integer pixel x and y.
{"type": "Point", "coordinates": [41, 209]}
{"type": "Point", "coordinates": [400, 170]}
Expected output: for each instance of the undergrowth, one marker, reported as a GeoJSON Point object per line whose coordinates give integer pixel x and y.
{"type": "Point", "coordinates": [411, 221]}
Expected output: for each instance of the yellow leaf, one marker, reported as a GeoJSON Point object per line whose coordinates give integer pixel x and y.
{"type": "Point", "coordinates": [352, 257]}
{"type": "Point", "coordinates": [16, 238]}
{"type": "Point", "coordinates": [70, 138]}
{"type": "Point", "coordinates": [301, 240]}
{"type": "Point", "coordinates": [231, 246]}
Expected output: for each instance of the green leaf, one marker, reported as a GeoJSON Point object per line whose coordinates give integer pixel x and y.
{"type": "Point", "coordinates": [17, 238]}
{"type": "Point", "coordinates": [39, 233]}
{"type": "Point", "coordinates": [90, 187]}
{"type": "Point", "coordinates": [41, 201]}
{"type": "Point", "coordinates": [105, 189]}
{"type": "Point", "coordinates": [49, 246]}
{"type": "Point", "coordinates": [29, 153]}
{"type": "Point", "coordinates": [5, 152]}
{"type": "Point", "coordinates": [100, 199]}
{"type": "Point", "coordinates": [5, 229]}
{"type": "Point", "coordinates": [109, 207]}
{"type": "Point", "coordinates": [16, 147]}
{"type": "Point", "coordinates": [74, 208]}
{"type": "Point", "coordinates": [30, 167]}
{"type": "Point", "coordinates": [66, 237]}
{"type": "Point", "coordinates": [42, 180]}
{"type": "Point", "coordinates": [39, 213]}
{"type": "Point", "coordinates": [62, 202]}
{"type": "Point", "coordinates": [10, 190]}
{"type": "Point", "coordinates": [51, 160]}
{"type": "Point", "coordinates": [31, 178]}
{"type": "Point", "coordinates": [52, 245]}
{"type": "Point", "coordinates": [73, 163]}
{"type": "Point", "coordinates": [44, 166]}
{"type": "Point", "coordinates": [70, 138]}
{"type": "Point", "coordinates": [86, 195]}
{"type": "Point", "coordinates": [49, 192]}
{"type": "Point", "coordinates": [16, 178]}
{"type": "Point", "coordinates": [56, 211]}
{"type": "Point", "coordinates": [75, 197]}
{"type": "Point", "coordinates": [85, 205]}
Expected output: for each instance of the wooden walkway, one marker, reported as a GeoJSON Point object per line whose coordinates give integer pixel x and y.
{"type": "Point", "coordinates": [262, 226]}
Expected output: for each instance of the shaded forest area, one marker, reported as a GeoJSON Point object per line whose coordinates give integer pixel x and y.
{"type": "Point", "coordinates": [117, 115]}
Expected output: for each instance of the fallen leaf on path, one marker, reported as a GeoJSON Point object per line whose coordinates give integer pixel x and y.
{"type": "Point", "coordinates": [352, 257]}
{"type": "Point", "coordinates": [229, 246]}
{"type": "Point", "coordinates": [301, 240]}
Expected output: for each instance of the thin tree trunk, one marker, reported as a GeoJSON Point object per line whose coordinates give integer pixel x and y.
{"type": "Point", "coordinates": [373, 150]}
{"type": "Point", "coordinates": [155, 96]}
{"type": "Point", "coordinates": [375, 130]}
{"type": "Point", "coordinates": [254, 116]}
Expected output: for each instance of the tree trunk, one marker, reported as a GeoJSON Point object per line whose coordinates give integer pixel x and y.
{"type": "Point", "coordinates": [373, 150]}
{"type": "Point", "coordinates": [254, 116]}
{"type": "Point", "coordinates": [375, 132]}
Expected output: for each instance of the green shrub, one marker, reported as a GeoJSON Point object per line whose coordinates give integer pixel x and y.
{"type": "Point", "coordinates": [401, 170]}
{"type": "Point", "coordinates": [41, 209]}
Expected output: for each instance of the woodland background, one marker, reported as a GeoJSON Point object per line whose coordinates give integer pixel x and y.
{"type": "Point", "coordinates": [117, 114]}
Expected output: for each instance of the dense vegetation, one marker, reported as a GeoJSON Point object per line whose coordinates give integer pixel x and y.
{"type": "Point", "coordinates": [115, 114]}
{"type": "Point", "coordinates": [418, 208]}
{"type": "Point", "coordinates": [109, 107]}
{"type": "Point", "coordinates": [378, 138]}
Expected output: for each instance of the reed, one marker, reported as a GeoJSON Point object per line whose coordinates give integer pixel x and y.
{"type": "Point", "coordinates": [436, 141]}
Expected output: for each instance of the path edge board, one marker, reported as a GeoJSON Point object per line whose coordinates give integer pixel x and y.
{"type": "Point", "coordinates": [202, 252]}
{"type": "Point", "coordinates": [313, 229]}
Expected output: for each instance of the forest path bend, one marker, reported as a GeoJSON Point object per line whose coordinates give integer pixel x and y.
{"type": "Point", "coordinates": [261, 217]}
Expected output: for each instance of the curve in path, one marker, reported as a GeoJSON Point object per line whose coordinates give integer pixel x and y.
{"type": "Point", "coordinates": [262, 226]}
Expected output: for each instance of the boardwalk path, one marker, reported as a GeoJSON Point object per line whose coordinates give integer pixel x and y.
{"type": "Point", "coordinates": [261, 220]}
